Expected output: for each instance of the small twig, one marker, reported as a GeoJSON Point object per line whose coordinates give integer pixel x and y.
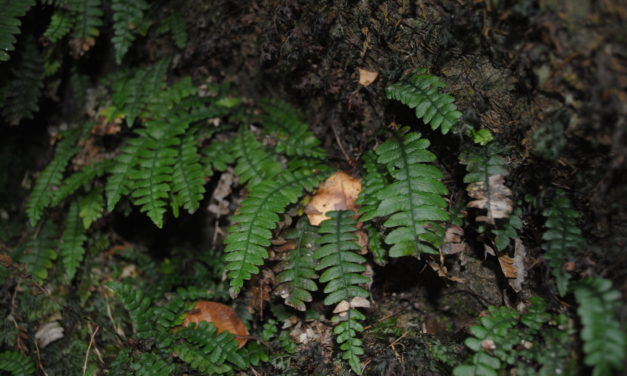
{"type": "Point", "coordinates": [91, 342]}
{"type": "Point", "coordinates": [41, 366]}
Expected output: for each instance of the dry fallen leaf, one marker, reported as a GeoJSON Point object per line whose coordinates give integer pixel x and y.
{"type": "Point", "coordinates": [514, 268]}
{"type": "Point", "coordinates": [48, 333]}
{"type": "Point", "coordinates": [453, 241]}
{"type": "Point", "coordinates": [222, 317]}
{"type": "Point", "coordinates": [366, 77]}
{"type": "Point", "coordinates": [495, 198]}
{"type": "Point", "coordinates": [337, 192]}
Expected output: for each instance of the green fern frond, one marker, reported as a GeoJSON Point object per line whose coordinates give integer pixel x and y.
{"type": "Point", "coordinates": [126, 15]}
{"type": "Point", "coordinates": [422, 92]}
{"type": "Point", "coordinates": [296, 279]}
{"type": "Point", "coordinates": [42, 194]}
{"type": "Point", "coordinates": [24, 90]}
{"type": "Point", "coordinates": [217, 156]}
{"type": "Point", "coordinates": [60, 25]}
{"type": "Point", "coordinates": [138, 305]}
{"type": "Point", "coordinates": [72, 240]}
{"type": "Point", "coordinates": [373, 182]}
{"type": "Point", "coordinates": [170, 103]}
{"type": "Point", "coordinates": [91, 207]}
{"type": "Point", "coordinates": [88, 18]}
{"type": "Point", "coordinates": [604, 339]}
{"type": "Point", "coordinates": [188, 180]}
{"type": "Point", "coordinates": [40, 253]}
{"type": "Point", "coordinates": [375, 244]}
{"type": "Point", "coordinates": [150, 364]}
{"type": "Point", "coordinates": [563, 239]}
{"type": "Point", "coordinates": [342, 266]}
{"type": "Point", "coordinates": [292, 134]}
{"type": "Point", "coordinates": [16, 363]}
{"type": "Point", "coordinates": [85, 175]}
{"type": "Point", "coordinates": [252, 226]}
{"type": "Point", "coordinates": [508, 231]}
{"type": "Point", "coordinates": [482, 163]}
{"type": "Point", "coordinates": [254, 164]}
{"type": "Point", "coordinates": [12, 11]}
{"type": "Point", "coordinates": [414, 200]}
{"type": "Point", "coordinates": [175, 24]}
{"type": "Point", "coordinates": [79, 83]}
{"type": "Point", "coordinates": [118, 183]}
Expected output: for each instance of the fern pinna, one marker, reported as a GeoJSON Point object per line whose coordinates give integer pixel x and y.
{"type": "Point", "coordinates": [126, 15]}
{"type": "Point", "coordinates": [563, 239]}
{"type": "Point", "coordinates": [342, 267]}
{"type": "Point", "coordinates": [12, 11]}
{"type": "Point", "coordinates": [413, 202]}
{"type": "Point", "coordinates": [422, 92]}
{"type": "Point", "coordinates": [17, 364]}
{"type": "Point", "coordinates": [252, 227]}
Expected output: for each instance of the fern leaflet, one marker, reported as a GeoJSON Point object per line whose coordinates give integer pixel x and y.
{"type": "Point", "coordinates": [150, 364]}
{"type": "Point", "coordinates": [60, 25]}
{"type": "Point", "coordinates": [604, 340]}
{"type": "Point", "coordinates": [51, 176]}
{"type": "Point", "coordinates": [88, 20]}
{"type": "Point", "coordinates": [23, 91]}
{"type": "Point", "coordinates": [72, 240]}
{"type": "Point", "coordinates": [252, 226]}
{"type": "Point", "coordinates": [16, 363]}
{"type": "Point", "coordinates": [422, 92]}
{"type": "Point", "coordinates": [91, 207]}
{"type": "Point", "coordinates": [414, 200]}
{"type": "Point", "coordinates": [175, 24]}
{"type": "Point", "coordinates": [40, 253]}
{"type": "Point", "coordinates": [217, 156]}
{"type": "Point", "coordinates": [373, 182]}
{"type": "Point", "coordinates": [292, 133]}
{"type": "Point", "coordinates": [85, 175]}
{"type": "Point", "coordinates": [10, 24]}
{"type": "Point", "coordinates": [563, 238]}
{"type": "Point", "coordinates": [342, 267]}
{"type": "Point", "coordinates": [138, 305]}
{"type": "Point", "coordinates": [119, 180]}
{"type": "Point", "coordinates": [126, 15]}
{"type": "Point", "coordinates": [296, 279]}
{"type": "Point", "coordinates": [254, 164]}
{"type": "Point", "coordinates": [187, 180]}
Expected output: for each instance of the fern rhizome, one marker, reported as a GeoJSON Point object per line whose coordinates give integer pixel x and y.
{"type": "Point", "coordinates": [162, 148]}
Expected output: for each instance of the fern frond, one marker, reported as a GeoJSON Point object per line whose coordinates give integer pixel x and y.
{"type": "Point", "coordinates": [296, 279]}
{"type": "Point", "coordinates": [206, 350]}
{"type": "Point", "coordinates": [150, 364]}
{"type": "Point", "coordinates": [24, 90]}
{"type": "Point", "coordinates": [175, 24]}
{"type": "Point", "coordinates": [40, 253]}
{"type": "Point", "coordinates": [60, 25]}
{"type": "Point", "coordinates": [126, 15]}
{"type": "Point", "coordinates": [508, 231]}
{"type": "Point", "coordinates": [16, 363]}
{"type": "Point", "coordinates": [42, 194]}
{"type": "Point", "coordinates": [72, 240]}
{"type": "Point", "coordinates": [118, 183]}
{"type": "Point", "coordinates": [170, 103]}
{"type": "Point", "coordinates": [375, 244]}
{"type": "Point", "coordinates": [414, 200]}
{"type": "Point", "coordinates": [604, 340]}
{"type": "Point", "coordinates": [252, 226]}
{"type": "Point", "coordinates": [217, 156]}
{"type": "Point", "coordinates": [293, 135]}
{"type": "Point", "coordinates": [563, 239]}
{"type": "Point", "coordinates": [79, 83]}
{"type": "Point", "coordinates": [85, 175]}
{"type": "Point", "coordinates": [373, 182]}
{"type": "Point", "coordinates": [88, 19]}
{"type": "Point", "coordinates": [254, 164]}
{"type": "Point", "coordinates": [91, 207]}
{"type": "Point", "coordinates": [483, 163]}
{"type": "Point", "coordinates": [138, 305]}
{"type": "Point", "coordinates": [342, 266]}
{"type": "Point", "coordinates": [188, 180]}
{"type": "Point", "coordinates": [422, 91]}
{"type": "Point", "coordinates": [12, 11]}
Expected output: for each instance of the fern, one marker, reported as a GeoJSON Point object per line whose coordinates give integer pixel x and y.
{"type": "Point", "coordinates": [296, 279]}
{"type": "Point", "coordinates": [563, 239]}
{"type": "Point", "coordinates": [10, 24]}
{"type": "Point", "coordinates": [150, 364]}
{"type": "Point", "coordinates": [40, 253]}
{"type": "Point", "coordinates": [508, 230]}
{"type": "Point", "coordinates": [88, 20]}
{"type": "Point", "coordinates": [16, 363]}
{"type": "Point", "coordinates": [604, 339]}
{"type": "Point", "coordinates": [292, 133]}
{"type": "Point", "coordinates": [126, 15]}
{"type": "Point", "coordinates": [254, 164]}
{"type": "Point", "coordinates": [373, 182]}
{"type": "Point", "coordinates": [24, 89]}
{"type": "Point", "coordinates": [341, 266]}
{"type": "Point", "coordinates": [252, 226]}
{"type": "Point", "coordinates": [91, 207]}
{"type": "Point", "coordinates": [414, 200]}
{"type": "Point", "coordinates": [217, 156]}
{"type": "Point", "coordinates": [60, 25]}
{"type": "Point", "coordinates": [42, 194]}
{"type": "Point", "coordinates": [118, 183]}
{"type": "Point", "coordinates": [188, 180]}
{"type": "Point", "coordinates": [138, 305]}
{"type": "Point", "coordinates": [175, 24]}
{"type": "Point", "coordinates": [85, 175]}
{"type": "Point", "coordinates": [422, 91]}
{"type": "Point", "coordinates": [72, 240]}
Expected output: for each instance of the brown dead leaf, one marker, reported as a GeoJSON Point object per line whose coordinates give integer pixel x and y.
{"type": "Point", "coordinates": [514, 268]}
{"type": "Point", "coordinates": [338, 192]}
{"type": "Point", "coordinates": [495, 198]}
{"type": "Point", "coordinates": [366, 77]}
{"type": "Point", "coordinates": [453, 241]}
{"type": "Point", "coordinates": [78, 46]}
{"type": "Point", "coordinates": [222, 317]}
{"type": "Point", "coordinates": [218, 204]}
